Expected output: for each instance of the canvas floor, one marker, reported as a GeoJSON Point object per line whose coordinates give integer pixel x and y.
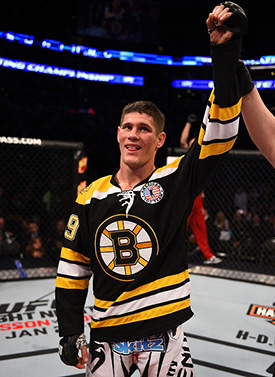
{"type": "Point", "coordinates": [231, 334]}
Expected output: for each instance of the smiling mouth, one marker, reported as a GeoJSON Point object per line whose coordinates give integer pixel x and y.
{"type": "Point", "coordinates": [132, 147]}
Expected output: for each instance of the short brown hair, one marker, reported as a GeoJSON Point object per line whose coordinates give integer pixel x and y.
{"type": "Point", "coordinates": [148, 108]}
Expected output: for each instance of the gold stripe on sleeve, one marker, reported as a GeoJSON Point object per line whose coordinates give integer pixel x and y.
{"type": "Point", "coordinates": [226, 113]}
{"type": "Point", "coordinates": [74, 256]}
{"type": "Point", "coordinates": [67, 283]}
{"type": "Point", "coordinates": [216, 148]}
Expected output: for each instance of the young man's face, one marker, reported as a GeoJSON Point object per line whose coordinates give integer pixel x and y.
{"type": "Point", "coordinates": [138, 140]}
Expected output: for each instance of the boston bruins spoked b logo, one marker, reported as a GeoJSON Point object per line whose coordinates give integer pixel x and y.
{"type": "Point", "coordinates": [124, 246]}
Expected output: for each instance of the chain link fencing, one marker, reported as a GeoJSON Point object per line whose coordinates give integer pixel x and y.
{"type": "Point", "coordinates": [239, 216]}
{"type": "Point", "coordinates": [39, 181]}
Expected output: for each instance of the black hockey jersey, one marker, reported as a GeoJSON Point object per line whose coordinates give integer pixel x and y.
{"type": "Point", "coordinates": [132, 242]}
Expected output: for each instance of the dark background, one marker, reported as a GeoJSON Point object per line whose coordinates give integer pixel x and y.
{"type": "Point", "coordinates": [55, 108]}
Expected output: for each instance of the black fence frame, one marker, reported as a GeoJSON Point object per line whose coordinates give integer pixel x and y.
{"type": "Point", "coordinates": [58, 166]}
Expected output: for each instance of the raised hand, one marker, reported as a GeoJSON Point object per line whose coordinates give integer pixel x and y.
{"type": "Point", "coordinates": [215, 24]}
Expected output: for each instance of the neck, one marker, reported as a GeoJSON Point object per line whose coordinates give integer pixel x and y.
{"type": "Point", "coordinates": [128, 177]}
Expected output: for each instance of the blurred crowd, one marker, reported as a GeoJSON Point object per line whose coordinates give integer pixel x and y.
{"type": "Point", "coordinates": [247, 233]}
{"type": "Point", "coordinates": [24, 240]}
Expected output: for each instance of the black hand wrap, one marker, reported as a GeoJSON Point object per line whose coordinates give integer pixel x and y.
{"type": "Point", "coordinates": [225, 60]}
{"type": "Point", "coordinates": [68, 348]}
{"type": "Point", "coordinates": [247, 82]}
{"type": "Point", "coordinates": [237, 23]}
{"type": "Point", "coordinates": [192, 118]}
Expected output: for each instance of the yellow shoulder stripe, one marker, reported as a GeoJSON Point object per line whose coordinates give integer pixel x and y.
{"type": "Point", "coordinates": [102, 185]}
{"type": "Point", "coordinates": [173, 164]}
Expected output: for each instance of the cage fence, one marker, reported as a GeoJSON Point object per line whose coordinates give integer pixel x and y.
{"type": "Point", "coordinates": [39, 180]}
{"type": "Point", "coordinates": [239, 216]}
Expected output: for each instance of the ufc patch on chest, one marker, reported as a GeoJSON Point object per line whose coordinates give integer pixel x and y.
{"type": "Point", "coordinates": [155, 343]}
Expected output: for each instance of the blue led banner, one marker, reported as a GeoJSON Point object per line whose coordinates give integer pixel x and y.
{"type": "Point", "coordinates": [265, 84]}
{"type": "Point", "coordinates": [71, 73]}
{"type": "Point", "coordinates": [208, 84]}
{"type": "Point", "coordinates": [112, 78]}
{"type": "Point", "coordinates": [124, 55]}
{"type": "Point", "coordinates": [193, 84]}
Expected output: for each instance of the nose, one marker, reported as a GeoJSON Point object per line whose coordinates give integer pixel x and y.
{"type": "Point", "coordinates": [133, 134]}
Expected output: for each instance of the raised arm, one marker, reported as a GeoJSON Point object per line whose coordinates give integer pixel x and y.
{"type": "Point", "coordinates": [220, 123]}
{"type": "Point", "coordinates": [260, 123]}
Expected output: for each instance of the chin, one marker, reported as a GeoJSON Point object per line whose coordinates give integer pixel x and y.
{"type": "Point", "coordinates": [133, 163]}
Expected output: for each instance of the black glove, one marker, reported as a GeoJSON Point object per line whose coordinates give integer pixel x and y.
{"type": "Point", "coordinates": [192, 118]}
{"type": "Point", "coordinates": [237, 23]}
{"type": "Point", "coordinates": [68, 348]}
{"type": "Point", "coordinates": [247, 82]}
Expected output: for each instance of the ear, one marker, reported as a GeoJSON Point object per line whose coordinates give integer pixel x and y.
{"type": "Point", "coordinates": [161, 139]}
{"type": "Point", "coordinates": [117, 135]}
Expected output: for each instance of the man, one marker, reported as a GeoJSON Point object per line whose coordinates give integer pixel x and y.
{"type": "Point", "coordinates": [127, 231]}
{"type": "Point", "coordinates": [197, 224]}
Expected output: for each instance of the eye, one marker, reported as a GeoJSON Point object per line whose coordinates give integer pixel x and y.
{"type": "Point", "coordinates": [126, 127]}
